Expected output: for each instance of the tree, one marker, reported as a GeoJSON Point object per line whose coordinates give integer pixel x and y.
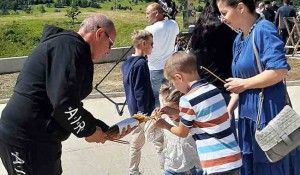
{"type": "Point", "coordinates": [72, 13]}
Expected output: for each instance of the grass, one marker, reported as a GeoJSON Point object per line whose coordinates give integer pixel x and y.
{"type": "Point", "coordinates": [19, 36]}
{"type": "Point", "coordinates": [20, 33]}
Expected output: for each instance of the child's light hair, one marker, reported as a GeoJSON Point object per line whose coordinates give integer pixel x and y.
{"type": "Point", "coordinates": [180, 62]}
{"type": "Point", "coordinates": [138, 36]}
{"type": "Point", "coordinates": [170, 94]}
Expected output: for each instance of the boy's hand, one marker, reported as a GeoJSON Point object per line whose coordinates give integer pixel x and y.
{"type": "Point", "coordinates": [169, 111]}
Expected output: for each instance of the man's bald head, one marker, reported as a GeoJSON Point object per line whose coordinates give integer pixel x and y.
{"type": "Point", "coordinates": [154, 13]}
{"type": "Point", "coordinates": [92, 23]}
{"type": "Point", "coordinates": [100, 33]}
{"type": "Point", "coordinates": [156, 6]}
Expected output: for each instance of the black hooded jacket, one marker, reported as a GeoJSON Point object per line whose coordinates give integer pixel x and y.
{"type": "Point", "coordinates": [46, 103]}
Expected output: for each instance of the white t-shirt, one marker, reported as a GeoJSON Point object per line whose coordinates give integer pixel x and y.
{"type": "Point", "coordinates": [164, 37]}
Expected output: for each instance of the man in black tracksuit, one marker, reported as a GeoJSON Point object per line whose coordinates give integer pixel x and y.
{"type": "Point", "coordinates": [46, 107]}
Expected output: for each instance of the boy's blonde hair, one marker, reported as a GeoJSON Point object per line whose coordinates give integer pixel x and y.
{"type": "Point", "coordinates": [138, 36]}
{"type": "Point", "coordinates": [180, 62]}
{"type": "Point", "coordinates": [170, 94]}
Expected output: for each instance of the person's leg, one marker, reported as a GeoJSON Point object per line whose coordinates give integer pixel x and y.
{"type": "Point", "coordinates": [156, 78]}
{"type": "Point", "coordinates": [158, 144]}
{"type": "Point", "coordinates": [245, 143]}
{"type": "Point", "coordinates": [37, 159]}
{"type": "Point", "coordinates": [289, 165]}
{"type": "Point", "coordinates": [166, 172]}
{"type": "Point", "coordinates": [137, 142]}
{"type": "Point", "coordinates": [231, 172]}
{"type": "Point", "coordinates": [194, 171]}
{"type": "Point", "coordinates": [15, 160]}
{"type": "Point", "coordinates": [46, 158]}
{"type": "Point", "coordinates": [295, 162]}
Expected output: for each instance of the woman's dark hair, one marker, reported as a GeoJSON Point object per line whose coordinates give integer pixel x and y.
{"type": "Point", "coordinates": [248, 3]}
{"type": "Point", "coordinates": [206, 23]}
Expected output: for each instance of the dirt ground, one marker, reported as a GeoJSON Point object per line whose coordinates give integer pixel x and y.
{"type": "Point", "coordinates": [113, 82]}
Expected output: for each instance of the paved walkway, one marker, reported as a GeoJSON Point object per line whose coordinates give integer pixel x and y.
{"type": "Point", "coordinates": [82, 158]}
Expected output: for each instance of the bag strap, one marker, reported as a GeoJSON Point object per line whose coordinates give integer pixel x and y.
{"type": "Point", "coordinates": [261, 94]}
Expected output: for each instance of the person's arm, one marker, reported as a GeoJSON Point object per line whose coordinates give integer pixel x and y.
{"type": "Point", "coordinates": [181, 130]}
{"type": "Point", "coordinates": [272, 58]}
{"type": "Point", "coordinates": [66, 78]}
{"type": "Point", "coordinates": [262, 80]}
{"type": "Point", "coordinates": [233, 103]}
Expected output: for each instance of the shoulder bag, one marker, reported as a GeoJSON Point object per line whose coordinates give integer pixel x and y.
{"type": "Point", "coordinates": [282, 133]}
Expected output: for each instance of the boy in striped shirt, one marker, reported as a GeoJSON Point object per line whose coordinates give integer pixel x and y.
{"type": "Point", "coordinates": [203, 113]}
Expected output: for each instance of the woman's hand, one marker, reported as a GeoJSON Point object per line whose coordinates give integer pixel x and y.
{"type": "Point", "coordinates": [236, 85]}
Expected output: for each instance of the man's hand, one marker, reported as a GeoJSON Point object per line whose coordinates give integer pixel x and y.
{"type": "Point", "coordinates": [97, 137]}
{"type": "Point", "coordinates": [123, 133]}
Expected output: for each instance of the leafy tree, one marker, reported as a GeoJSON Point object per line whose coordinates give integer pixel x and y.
{"type": "Point", "coordinates": [72, 13]}
{"type": "Point", "coordinates": [4, 7]}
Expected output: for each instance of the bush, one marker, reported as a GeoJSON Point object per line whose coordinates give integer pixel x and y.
{"type": "Point", "coordinates": [56, 10]}
{"type": "Point", "coordinates": [199, 8]}
{"type": "Point", "coordinates": [48, 5]}
{"type": "Point", "coordinates": [58, 5]}
{"type": "Point", "coordinates": [41, 8]}
{"type": "Point", "coordinates": [27, 9]}
{"type": "Point", "coordinates": [4, 12]}
{"type": "Point", "coordinates": [95, 5]}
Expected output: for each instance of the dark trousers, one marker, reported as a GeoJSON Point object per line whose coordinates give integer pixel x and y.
{"type": "Point", "coordinates": [37, 159]}
{"type": "Point", "coordinates": [284, 35]}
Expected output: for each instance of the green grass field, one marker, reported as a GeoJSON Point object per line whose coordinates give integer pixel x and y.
{"type": "Point", "coordinates": [20, 33]}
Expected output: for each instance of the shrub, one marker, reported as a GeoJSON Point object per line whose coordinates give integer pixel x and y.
{"type": "Point", "coordinates": [56, 10]}
{"type": "Point", "coordinates": [41, 8]}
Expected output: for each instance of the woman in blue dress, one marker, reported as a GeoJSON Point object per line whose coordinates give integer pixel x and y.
{"type": "Point", "coordinates": [247, 83]}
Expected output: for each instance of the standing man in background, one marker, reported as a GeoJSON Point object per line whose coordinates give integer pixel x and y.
{"type": "Point", "coordinates": [164, 33]}
{"type": "Point", "coordinates": [46, 106]}
{"type": "Point", "coordinates": [285, 11]}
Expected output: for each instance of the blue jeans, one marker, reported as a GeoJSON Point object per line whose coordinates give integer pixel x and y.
{"type": "Point", "coordinates": [157, 79]}
{"type": "Point", "coordinates": [192, 171]}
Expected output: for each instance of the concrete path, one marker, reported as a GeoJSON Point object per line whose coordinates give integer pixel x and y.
{"type": "Point", "coordinates": [82, 158]}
